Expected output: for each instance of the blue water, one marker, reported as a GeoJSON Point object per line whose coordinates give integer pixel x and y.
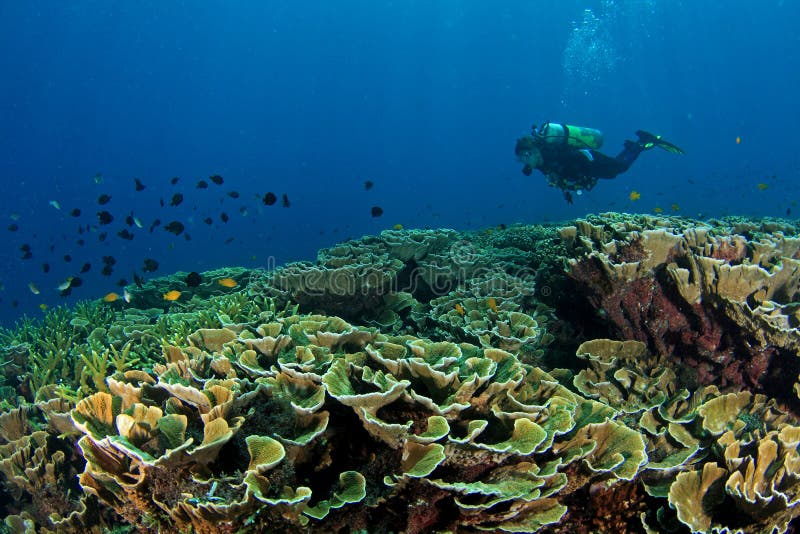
{"type": "Point", "coordinates": [424, 98]}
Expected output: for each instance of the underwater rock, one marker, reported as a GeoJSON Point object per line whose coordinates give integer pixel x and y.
{"type": "Point", "coordinates": [721, 303]}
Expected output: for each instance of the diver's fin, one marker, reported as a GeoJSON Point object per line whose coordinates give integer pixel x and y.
{"type": "Point", "coordinates": [648, 140]}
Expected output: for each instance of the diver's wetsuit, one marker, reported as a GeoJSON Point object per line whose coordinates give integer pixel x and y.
{"type": "Point", "coordinates": [574, 169]}
{"type": "Point", "coordinates": [571, 169]}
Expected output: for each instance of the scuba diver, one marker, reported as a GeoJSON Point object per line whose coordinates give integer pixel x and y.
{"type": "Point", "coordinates": [568, 155]}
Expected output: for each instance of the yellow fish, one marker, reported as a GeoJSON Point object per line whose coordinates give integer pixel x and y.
{"type": "Point", "coordinates": [459, 309]}
{"type": "Point", "coordinates": [397, 227]}
{"type": "Point", "coordinates": [635, 195]}
{"type": "Point", "coordinates": [762, 186]}
{"type": "Point", "coordinates": [111, 297]}
{"type": "Point", "coordinates": [43, 306]}
{"type": "Point", "coordinates": [227, 282]}
{"type": "Point", "coordinates": [658, 210]}
{"type": "Point", "coordinates": [675, 207]}
{"type": "Point", "coordinates": [492, 304]}
{"type": "Point", "coordinates": [172, 295]}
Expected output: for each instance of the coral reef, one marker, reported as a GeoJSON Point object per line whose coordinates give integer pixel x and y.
{"type": "Point", "coordinates": [321, 422]}
{"type": "Point", "coordinates": [415, 382]}
{"type": "Point", "coordinates": [721, 302]}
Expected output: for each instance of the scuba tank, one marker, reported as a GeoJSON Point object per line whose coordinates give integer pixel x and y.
{"type": "Point", "coordinates": [553, 133]}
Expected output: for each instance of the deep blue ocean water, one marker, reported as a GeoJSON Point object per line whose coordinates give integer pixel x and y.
{"type": "Point", "coordinates": [312, 99]}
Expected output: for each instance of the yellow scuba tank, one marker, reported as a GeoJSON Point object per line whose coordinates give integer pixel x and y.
{"type": "Point", "coordinates": [553, 133]}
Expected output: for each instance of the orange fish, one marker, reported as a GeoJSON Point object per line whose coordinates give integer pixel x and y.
{"type": "Point", "coordinates": [492, 304]}
{"type": "Point", "coordinates": [460, 309]}
{"type": "Point", "coordinates": [635, 195]}
{"type": "Point", "coordinates": [111, 297]}
{"type": "Point", "coordinates": [172, 295]}
{"type": "Point", "coordinates": [762, 186]}
{"type": "Point", "coordinates": [738, 140]}
{"type": "Point", "coordinates": [227, 282]}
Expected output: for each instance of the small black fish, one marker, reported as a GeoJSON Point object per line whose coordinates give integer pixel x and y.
{"type": "Point", "coordinates": [103, 199]}
{"type": "Point", "coordinates": [122, 282]}
{"type": "Point", "coordinates": [202, 184]}
{"type": "Point", "coordinates": [376, 211]}
{"type": "Point", "coordinates": [107, 270]}
{"type": "Point", "coordinates": [269, 199]}
{"type": "Point", "coordinates": [193, 279]}
{"type": "Point", "coordinates": [174, 180]}
{"type": "Point", "coordinates": [233, 194]}
{"type": "Point", "coordinates": [67, 258]}
{"type": "Point", "coordinates": [208, 220]}
{"type": "Point", "coordinates": [102, 236]}
{"type": "Point", "coordinates": [501, 226]}
{"type": "Point", "coordinates": [187, 237]}
{"type": "Point", "coordinates": [139, 185]}
{"type": "Point", "coordinates": [80, 230]}
{"type": "Point", "coordinates": [229, 240]}
{"type": "Point", "coordinates": [45, 267]}
{"type": "Point", "coordinates": [154, 224]}
{"type": "Point", "coordinates": [224, 217]}
{"type": "Point", "coordinates": [109, 260]}
{"type": "Point", "coordinates": [76, 212]}
{"type": "Point", "coordinates": [149, 265]}
{"type": "Point", "coordinates": [80, 242]}
{"type": "Point", "coordinates": [67, 291]}
{"type": "Point", "coordinates": [368, 184]}
{"type": "Point", "coordinates": [243, 211]}
{"type": "Point", "coordinates": [104, 217]}
{"type": "Point", "coordinates": [174, 227]}
{"type": "Point", "coordinates": [75, 282]}
{"type": "Point", "coordinates": [15, 304]}
{"type": "Point", "coordinates": [285, 201]}
{"type": "Point", "coordinates": [161, 202]}
{"type": "Point", "coordinates": [125, 234]}
{"type": "Point", "coordinates": [177, 198]}
{"type": "Point", "coordinates": [13, 227]}
{"type": "Point", "coordinates": [129, 220]}
{"type": "Point", "coordinates": [217, 179]}
{"type": "Point", "coordinates": [138, 280]}
{"type": "Point", "coordinates": [86, 267]}
{"type": "Point", "coordinates": [788, 211]}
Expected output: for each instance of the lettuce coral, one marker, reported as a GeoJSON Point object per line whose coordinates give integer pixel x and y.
{"type": "Point", "coordinates": [267, 408]}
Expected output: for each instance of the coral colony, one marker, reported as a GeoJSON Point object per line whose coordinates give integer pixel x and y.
{"type": "Point", "coordinates": [619, 373]}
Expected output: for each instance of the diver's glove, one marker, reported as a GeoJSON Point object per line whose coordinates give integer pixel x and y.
{"type": "Point", "coordinates": [648, 141]}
